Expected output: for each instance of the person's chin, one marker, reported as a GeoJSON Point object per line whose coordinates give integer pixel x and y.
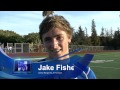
{"type": "Point", "coordinates": [57, 54]}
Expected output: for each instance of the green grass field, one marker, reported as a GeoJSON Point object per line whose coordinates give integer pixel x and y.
{"type": "Point", "coordinates": [106, 65]}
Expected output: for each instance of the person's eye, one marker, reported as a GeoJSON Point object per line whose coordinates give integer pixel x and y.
{"type": "Point", "coordinates": [60, 38]}
{"type": "Point", "coordinates": [47, 39]}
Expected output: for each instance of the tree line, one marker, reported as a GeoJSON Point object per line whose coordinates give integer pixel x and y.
{"type": "Point", "coordinates": [7, 36]}
{"type": "Point", "coordinates": [106, 37]}
{"type": "Point", "coordinates": [80, 37]}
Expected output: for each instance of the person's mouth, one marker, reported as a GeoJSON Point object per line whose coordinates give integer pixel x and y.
{"type": "Point", "coordinates": [55, 50]}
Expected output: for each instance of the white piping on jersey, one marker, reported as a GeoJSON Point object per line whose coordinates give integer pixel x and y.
{"type": "Point", "coordinates": [86, 74]}
{"type": "Point", "coordinates": [88, 70]}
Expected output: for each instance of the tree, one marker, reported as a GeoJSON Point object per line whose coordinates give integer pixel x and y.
{"type": "Point", "coordinates": [102, 37]}
{"type": "Point", "coordinates": [7, 36]}
{"type": "Point", "coordinates": [116, 39]}
{"type": "Point", "coordinates": [94, 38]}
{"type": "Point", "coordinates": [87, 39]}
{"type": "Point", "coordinates": [32, 38]}
{"type": "Point", "coordinates": [47, 13]}
{"type": "Point", "coordinates": [81, 36]}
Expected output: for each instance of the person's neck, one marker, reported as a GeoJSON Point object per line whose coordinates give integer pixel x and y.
{"type": "Point", "coordinates": [61, 58]}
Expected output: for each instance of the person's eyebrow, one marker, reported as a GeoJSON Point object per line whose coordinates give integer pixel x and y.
{"type": "Point", "coordinates": [47, 38]}
{"type": "Point", "coordinates": [58, 35]}
{"type": "Point", "coordinates": [54, 36]}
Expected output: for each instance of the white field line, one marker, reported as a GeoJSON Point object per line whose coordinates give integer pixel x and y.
{"type": "Point", "coordinates": [101, 61]}
{"type": "Point", "coordinates": [105, 67]}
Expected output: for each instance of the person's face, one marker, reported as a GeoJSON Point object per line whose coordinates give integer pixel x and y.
{"type": "Point", "coordinates": [56, 42]}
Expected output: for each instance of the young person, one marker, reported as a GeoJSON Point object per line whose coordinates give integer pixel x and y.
{"type": "Point", "coordinates": [56, 34]}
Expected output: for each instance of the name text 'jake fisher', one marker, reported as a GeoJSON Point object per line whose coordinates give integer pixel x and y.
{"type": "Point", "coordinates": [57, 67]}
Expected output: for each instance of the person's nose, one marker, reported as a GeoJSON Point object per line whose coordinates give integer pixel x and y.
{"type": "Point", "coordinates": [54, 43]}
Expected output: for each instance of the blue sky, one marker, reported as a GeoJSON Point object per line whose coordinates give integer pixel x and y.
{"type": "Point", "coordinates": [24, 22]}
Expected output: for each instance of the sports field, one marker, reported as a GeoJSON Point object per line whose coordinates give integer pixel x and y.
{"type": "Point", "coordinates": [106, 65]}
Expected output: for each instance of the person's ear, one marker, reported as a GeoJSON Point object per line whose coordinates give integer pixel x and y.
{"type": "Point", "coordinates": [69, 39]}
